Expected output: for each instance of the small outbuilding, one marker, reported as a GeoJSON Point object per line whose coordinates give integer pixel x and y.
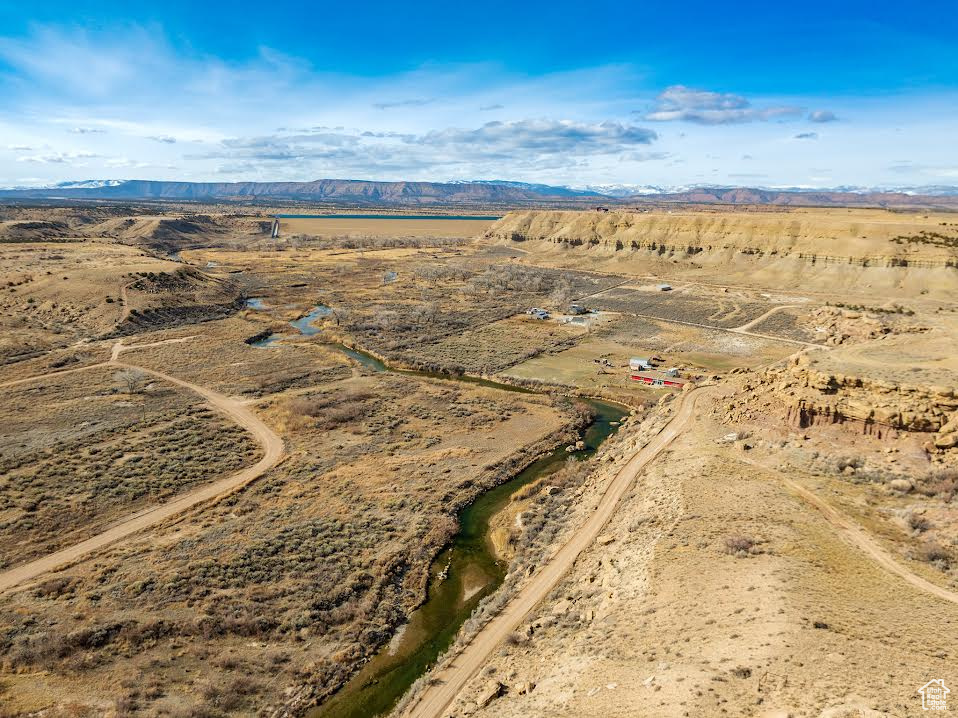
{"type": "Point", "coordinates": [638, 363]}
{"type": "Point", "coordinates": [665, 287]}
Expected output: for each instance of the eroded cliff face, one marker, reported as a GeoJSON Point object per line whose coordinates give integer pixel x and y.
{"type": "Point", "coordinates": [814, 395]}
{"type": "Point", "coordinates": [863, 238]}
{"type": "Point", "coordinates": [811, 392]}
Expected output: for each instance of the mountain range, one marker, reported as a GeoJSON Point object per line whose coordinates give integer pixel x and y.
{"type": "Point", "coordinates": [480, 193]}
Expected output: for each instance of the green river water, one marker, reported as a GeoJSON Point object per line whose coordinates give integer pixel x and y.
{"type": "Point", "coordinates": [461, 575]}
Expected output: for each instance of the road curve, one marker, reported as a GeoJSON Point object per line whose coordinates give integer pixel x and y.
{"type": "Point", "coordinates": [273, 451]}
{"type": "Point", "coordinates": [866, 543]}
{"type": "Point", "coordinates": [858, 536]}
{"type": "Point", "coordinates": [437, 696]}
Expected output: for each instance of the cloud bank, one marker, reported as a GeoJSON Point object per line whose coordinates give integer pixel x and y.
{"type": "Point", "coordinates": [685, 104]}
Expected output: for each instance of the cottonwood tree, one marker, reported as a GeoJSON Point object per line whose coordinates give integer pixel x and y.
{"type": "Point", "coordinates": [425, 313]}
{"type": "Point", "coordinates": [132, 380]}
{"type": "Point", "coordinates": [563, 293]}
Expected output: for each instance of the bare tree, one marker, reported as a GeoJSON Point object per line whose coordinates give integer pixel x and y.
{"type": "Point", "coordinates": [340, 315]}
{"type": "Point", "coordinates": [563, 293]}
{"type": "Point", "coordinates": [425, 313]}
{"type": "Point", "coordinates": [386, 318]}
{"type": "Point", "coordinates": [132, 380]}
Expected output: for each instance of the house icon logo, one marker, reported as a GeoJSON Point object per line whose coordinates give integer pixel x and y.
{"type": "Point", "coordinates": [934, 695]}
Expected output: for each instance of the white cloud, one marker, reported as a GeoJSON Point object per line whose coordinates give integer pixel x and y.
{"type": "Point", "coordinates": [680, 103]}
{"type": "Point", "coordinates": [549, 136]}
{"type": "Point", "coordinates": [58, 157]}
{"type": "Point", "coordinates": [529, 145]}
{"type": "Point", "coordinates": [822, 116]}
{"type": "Point", "coordinates": [400, 103]}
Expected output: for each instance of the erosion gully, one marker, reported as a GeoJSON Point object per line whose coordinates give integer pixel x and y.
{"type": "Point", "coordinates": [461, 575]}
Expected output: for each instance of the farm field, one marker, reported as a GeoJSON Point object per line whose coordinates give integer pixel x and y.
{"type": "Point", "coordinates": [714, 310]}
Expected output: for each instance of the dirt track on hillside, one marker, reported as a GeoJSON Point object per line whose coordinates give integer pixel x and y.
{"type": "Point", "coordinates": [866, 543]}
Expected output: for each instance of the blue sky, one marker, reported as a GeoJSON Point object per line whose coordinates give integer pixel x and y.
{"type": "Point", "coordinates": [767, 94]}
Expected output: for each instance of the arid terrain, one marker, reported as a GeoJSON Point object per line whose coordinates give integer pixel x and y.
{"type": "Point", "coordinates": [229, 462]}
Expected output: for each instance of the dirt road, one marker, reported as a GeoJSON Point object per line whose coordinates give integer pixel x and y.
{"type": "Point", "coordinates": [859, 536]}
{"type": "Point", "coordinates": [866, 543]}
{"type": "Point", "coordinates": [437, 696]}
{"type": "Point", "coordinates": [125, 527]}
{"type": "Point", "coordinates": [758, 320]}
{"type": "Point", "coordinates": [61, 372]}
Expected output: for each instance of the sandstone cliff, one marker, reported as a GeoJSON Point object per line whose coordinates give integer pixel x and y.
{"type": "Point", "coordinates": [865, 238]}
{"type": "Point", "coordinates": [876, 254]}
{"type": "Point", "coordinates": [877, 386]}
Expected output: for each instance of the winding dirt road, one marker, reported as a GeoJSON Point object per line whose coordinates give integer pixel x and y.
{"type": "Point", "coordinates": [272, 447]}
{"type": "Point", "coordinates": [860, 538]}
{"type": "Point", "coordinates": [436, 697]}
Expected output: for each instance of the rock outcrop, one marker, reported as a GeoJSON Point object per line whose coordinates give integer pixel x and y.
{"type": "Point", "coordinates": [812, 395]}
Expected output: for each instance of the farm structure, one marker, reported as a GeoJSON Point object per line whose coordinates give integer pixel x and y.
{"type": "Point", "coordinates": [658, 381]}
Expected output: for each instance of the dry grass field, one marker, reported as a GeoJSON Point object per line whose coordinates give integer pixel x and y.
{"type": "Point", "coordinates": [81, 449]}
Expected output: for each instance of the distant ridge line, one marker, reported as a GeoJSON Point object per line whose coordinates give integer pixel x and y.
{"type": "Point", "coordinates": [370, 193]}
